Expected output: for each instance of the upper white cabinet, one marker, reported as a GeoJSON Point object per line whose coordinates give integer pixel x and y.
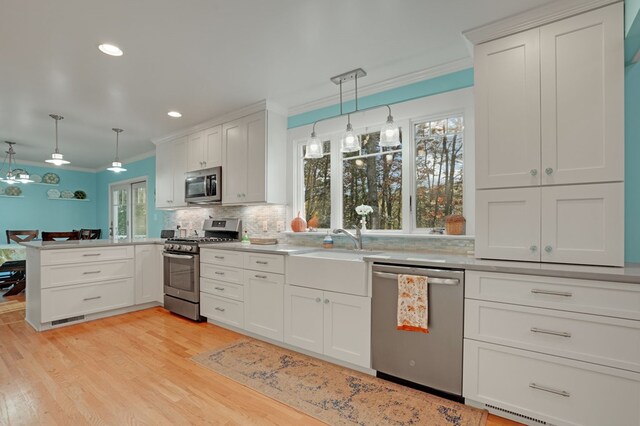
{"type": "Point", "coordinates": [549, 103]}
{"type": "Point", "coordinates": [253, 153]}
{"type": "Point", "coordinates": [171, 165]}
{"type": "Point", "coordinates": [204, 149]}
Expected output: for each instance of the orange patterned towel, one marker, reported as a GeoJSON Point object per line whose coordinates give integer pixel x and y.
{"type": "Point", "coordinates": [413, 302]}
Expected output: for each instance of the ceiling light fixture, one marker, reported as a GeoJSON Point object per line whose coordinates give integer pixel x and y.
{"type": "Point", "coordinates": [56, 158]}
{"type": "Point", "coordinates": [22, 176]}
{"type": "Point", "coordinates": [389, 134]}
{"type": "Point", "coordinates": [174, 114]}
{"type": "Point", "coordinates": [116, 165]}
{"type": "Point", "coordinates": [110, 49]}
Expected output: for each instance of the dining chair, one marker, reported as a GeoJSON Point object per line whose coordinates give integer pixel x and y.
{"type": "Point", "coordinates": [90, 234]}
{"type": "Point", "coordinates": [19, 236]}
{"type": "Point", "coordinates": [60, 236]}
{"type": "Point", "coordinates": [13, 273]}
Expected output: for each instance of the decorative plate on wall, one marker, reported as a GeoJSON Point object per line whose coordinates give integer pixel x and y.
{"type": "Point", "coordinates": [66, 194]}
{"type": "Point", "coordinates": [13, 191]}
{"type": "Point", "coordinates": [51, 178]}
{"type": "Point", "coordinates": [36, 178]}
{"type": "Point", "coordinates": [1, 190]}
{"type": "Point", "coordinates": [80, 195]}
{"type": "Point", "coordinates": [53, 193]}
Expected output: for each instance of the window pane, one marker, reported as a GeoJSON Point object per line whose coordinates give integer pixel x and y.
{"type": "Point", "coordinates": [317, 187]}
{"type": "Point", "coordinates": [439, 173]}
{"type": "Point", "coordinates": [139, 211]}
{"type": "Point", "coordinates": [373, 177]}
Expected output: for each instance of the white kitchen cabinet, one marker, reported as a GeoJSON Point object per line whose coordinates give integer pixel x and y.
{"type": "Point", "coordinates": [334, 324]}
{"type": "Point", "coordinates": [148, 274]}
{"type": "Point", "coordinates": [581, 224]}
{"type": "Point", "coordinates": [550, 103]}
{"type": "Point", "coordinates": [264, 304]}
{"type": "Point", "coordinates": [253, 148]}
{"type": "Point", "coordinates": [171, 166]}
{"type": "Point", "coordinates": [205, 149]}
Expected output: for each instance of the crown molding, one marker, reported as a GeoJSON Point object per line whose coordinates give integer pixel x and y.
{"type": "Point", "coordinates": [126, 161]}
{"type": "Point", "coordinates": [221, 119]}
{"type": "Point", "coordinates": [551, 12]}
{"type": "Point", "coordinates": [42, 164]}
{"type": "Point", "coordinates": [392, 83]}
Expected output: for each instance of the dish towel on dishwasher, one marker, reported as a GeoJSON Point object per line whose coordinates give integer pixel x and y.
{"type": "Point", "coordinates": [413, 302]}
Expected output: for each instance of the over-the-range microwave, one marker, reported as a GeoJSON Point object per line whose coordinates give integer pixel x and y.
{"type": "Point", "coordinates": [203, 186]}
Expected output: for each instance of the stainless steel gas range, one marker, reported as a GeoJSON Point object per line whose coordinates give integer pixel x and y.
{"type": "Point", "coordinates": [182, 265]}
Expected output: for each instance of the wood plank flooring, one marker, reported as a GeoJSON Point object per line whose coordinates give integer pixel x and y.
{"type": "Point", "coordinates": [126, 370]}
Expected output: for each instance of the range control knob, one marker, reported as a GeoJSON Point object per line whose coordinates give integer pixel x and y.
{"type": "Point", "coordinates": [169, 246]}
{"type": "Point", "coordinates": [188, 248]}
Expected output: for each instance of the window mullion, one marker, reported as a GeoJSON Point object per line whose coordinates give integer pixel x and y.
{"type": "Point", "coordinates": [408, 177]}
{"type": "Point", "coordinates": [336, 183]}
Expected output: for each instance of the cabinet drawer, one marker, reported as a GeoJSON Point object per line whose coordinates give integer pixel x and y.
{"type": "Point", "coordinates": [69, 301]}
{"type": "Point", "coordinates": [220, 288]}
{"type": "Point", "coordinates": [264, 262]}
{"type": "Point", "coordinates": [602, 340]}
{"type": "Point", "coordinates": [553, 389]}
{"type": "Point", "coordinates": [220, 309]}
{"type": "Point", "coordinates": [221, 273]}
{"type": "Point", "coordinates": [222, 257]}
{"type": "Point", "coordinates": [60, 275]}
{"type": "Point", "coordinates": [83, 255]}
{"type": "Point", "coordinates": [587, 296]}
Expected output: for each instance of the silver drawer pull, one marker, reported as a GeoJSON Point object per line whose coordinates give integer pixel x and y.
{"type": "Point", "coordinates": [92, 298]}
{"type": "Point", "coordinates": [552, 293]}
{"type": "Point", "coordinates": [91, 254]}
{"type": "Point", "coordinates": [264, 277]}
{"type": "Point", "coordinates": [91, 272]}
{"type": "Point", "coordinates": [550, 390]}
{"type": "Point", "coordinates": [220, 309]}
{"type": "Point", "coordinates": [219, 273]}
{"type": "Point", "coordinates": [261, 262]}
{"type": "Point", "coordinates": [219, 257]}
{"type": "Point", "coordinates": [554, 333]}
{"type": "Point", "coordinates": [219, 288]}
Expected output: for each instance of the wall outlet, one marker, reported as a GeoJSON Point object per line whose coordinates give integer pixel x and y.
{"type": "Point", "coordinates": [265, 226]}
{"type": "Point", "coordinates": [280, 226]}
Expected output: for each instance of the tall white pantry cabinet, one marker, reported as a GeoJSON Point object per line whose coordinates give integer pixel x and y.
{"type": "Point", "coordinates": [550, 142]}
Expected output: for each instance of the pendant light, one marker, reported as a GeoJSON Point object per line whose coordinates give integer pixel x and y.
{"type": "Point", "coordinates": [390, 133]}
{"type": "Point", "coordinates": [116, 165]}
{"type": "Point", "coordinates": [56, 158]}
{"type": "Point", "coordinates": [315, 148]}
{"type": "Point", "coordinates": [349, 141]}
{"type": "Point", "coordinates": [11, 177]}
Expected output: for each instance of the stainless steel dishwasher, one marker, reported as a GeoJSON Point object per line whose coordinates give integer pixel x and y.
{"type": "Point", "coordinates": [433, 360]}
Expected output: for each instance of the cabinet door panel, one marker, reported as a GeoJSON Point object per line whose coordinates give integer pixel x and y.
{"type": "Point", "coordinates": [508, 111]}
{"type": "Point", "coordinates": [164, 175]}
{"type": "Point", "coordinates": [303, 318]}
{"type": "Point", "coordinates": [148, 284]}
{"type": "Point", "coordinates": [582, 83]}
{"type": "Point", "coordinates": [234, 154]}
{"type": "Point", "coordinates": [213, 147]}
{"type": "Point", "coordinates": [347, 328]}
{"type": "Point", "coordinates": [508, 224]}
{"type": "Point", "coordinates": [256, 159]}
{"type": "Point", "coordinates": [264, 304]}
{"type": "Point", "coordinates": [179, 169]}
{"type": "Point", "coordinates": [583, 224]}
{"type": "Point", "coordinates": [195, 152]}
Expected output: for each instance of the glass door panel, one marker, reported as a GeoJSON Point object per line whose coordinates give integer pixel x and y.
{"type": "Point", "coordinates": [139, 209]}
{"type": "Point", "coordinates": [120, 213]}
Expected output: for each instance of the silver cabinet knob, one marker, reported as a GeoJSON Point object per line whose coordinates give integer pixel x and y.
{"type": "Point", "coordinates": [533, 172]}
{"type": "Point", "coordinates": [318, 300]}
{"type": "Point", "coordinates": [533, 248]}
{"type": "Point", "coordinates": [548, 249]}
{"type": "Point", "coordinates": [548, 171]}
{"type": "Point", "coordinates": [326, 301]}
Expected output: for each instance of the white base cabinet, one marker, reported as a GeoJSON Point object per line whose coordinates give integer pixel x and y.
{"type": "Point", "coordinates": [264, 304]}
{"type": "Point", "coordinates": [334, 324]}
{"type": "Point", "coordinates": [149, 274]}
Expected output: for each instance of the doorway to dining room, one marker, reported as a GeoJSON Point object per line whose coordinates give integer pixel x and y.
{"type": "Point", "coordinates": [128, 209]}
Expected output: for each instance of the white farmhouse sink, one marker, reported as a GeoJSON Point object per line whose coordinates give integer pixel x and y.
{"type": "Point", "coordinates": [341, 271]}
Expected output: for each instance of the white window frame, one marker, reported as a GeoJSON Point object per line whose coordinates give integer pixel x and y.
{"type": "Point", "coordinates": [406, 115]}
{"type": "Point", "coordinates": [130, 183]}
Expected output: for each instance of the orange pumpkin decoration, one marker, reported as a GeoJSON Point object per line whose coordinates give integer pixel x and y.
{"type": "Point", "coordinates": [314, 222]}
{"type": "Point", "coordinates": [298, 224]}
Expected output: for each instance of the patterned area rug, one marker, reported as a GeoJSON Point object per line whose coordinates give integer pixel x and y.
{"type": "Point", "coordinates": [330, 393]}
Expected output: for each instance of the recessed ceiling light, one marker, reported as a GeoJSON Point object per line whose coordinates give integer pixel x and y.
{"type": "Point", "coordinates": [110, 49]}
{"type": "Point", "coordinates": [174, 114]}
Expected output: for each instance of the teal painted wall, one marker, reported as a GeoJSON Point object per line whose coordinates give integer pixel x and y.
{"type": "Point", "coordinates": [632, 156]}
{"type": "Point", "coordinates": [632, 29]}
{"type": "Point", "coordinates": [36, 211]}
{"type": "Point", "coordinates": [137, 169]}
{"type": "Point", "coordinates": [631, 9]}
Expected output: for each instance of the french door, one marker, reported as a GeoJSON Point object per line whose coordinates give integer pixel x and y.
{"type": "Point", "coordinates": [128, 210]}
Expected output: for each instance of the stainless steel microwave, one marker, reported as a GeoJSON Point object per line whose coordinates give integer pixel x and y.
{"type": "Point", "coordinates": [203, 186]}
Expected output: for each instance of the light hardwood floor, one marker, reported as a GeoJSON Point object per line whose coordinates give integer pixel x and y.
{"type": "Point", "coordinates": [128, 369]}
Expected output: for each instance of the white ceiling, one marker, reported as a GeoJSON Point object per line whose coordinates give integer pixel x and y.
{"type": "Point", "coordinates": [203, 58]}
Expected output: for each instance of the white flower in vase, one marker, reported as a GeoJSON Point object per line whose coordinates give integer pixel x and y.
{"type": "Point", "coordinates": [363, 210]}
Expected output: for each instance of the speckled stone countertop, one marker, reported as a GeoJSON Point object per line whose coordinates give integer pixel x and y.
{"type": "Point", "coordinates": [258, 248]}
{"type": "Point", "coordinates": [54, 245]}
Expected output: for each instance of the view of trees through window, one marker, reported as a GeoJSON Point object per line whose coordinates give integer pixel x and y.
{"type": "Point", "coordinates": [439, 172]}
{"type": "Point", "coordinates": [373, 177]}
{"type": "Point", "coordinates": [317, 185]}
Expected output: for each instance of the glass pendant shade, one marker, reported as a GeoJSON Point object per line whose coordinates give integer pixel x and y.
{"type": "Point", "coordinates": [56, 158]}
{"type": "Point", "coordinates": [116, 165]}
{"type": "Point", "coordinates": [390, 134]}
{"type": "Point", "coordinates": [22, 176]}
{"type": "Point", "coordinates": [314, 147]}
{"type": "Point", "coordinates": [350, 142]}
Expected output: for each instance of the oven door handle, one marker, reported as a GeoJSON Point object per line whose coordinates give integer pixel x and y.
{"type": "Point", "coordinates": [178, 256]}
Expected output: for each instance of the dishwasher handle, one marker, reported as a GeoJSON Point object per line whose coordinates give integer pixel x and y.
{"type": "Point", "coordinates": [438, 281]}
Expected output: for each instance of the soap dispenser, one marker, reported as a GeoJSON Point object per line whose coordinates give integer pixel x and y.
{"type": "Point", "coordinates": [328, 241]}
{"type": "Point", "coordinates": [245, 238]}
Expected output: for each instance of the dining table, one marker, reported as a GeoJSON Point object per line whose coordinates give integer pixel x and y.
{"type": "Point", "coordinates": [12, 252]}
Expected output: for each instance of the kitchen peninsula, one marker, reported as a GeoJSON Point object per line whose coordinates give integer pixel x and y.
{"type": "Point", "coordinates": [76, 281]}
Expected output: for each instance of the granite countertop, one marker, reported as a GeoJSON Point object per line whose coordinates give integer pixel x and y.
{"type": "Point", "coordinates": [54, 245]}
{"type": "Point", "coordinates": [258, 248]}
